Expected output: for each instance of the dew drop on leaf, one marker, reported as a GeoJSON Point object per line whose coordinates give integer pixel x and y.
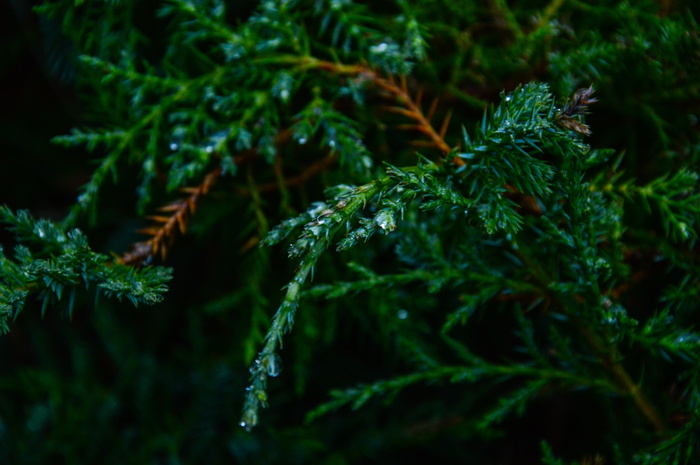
{"type": "Point", "coordinates": [274, 365]}
{"type": "Point", "coordinates": [380, 48]}
{"type": "Point", "coordinates": [385, 220]}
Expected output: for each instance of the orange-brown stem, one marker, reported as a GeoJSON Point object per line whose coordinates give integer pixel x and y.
{"type": "Point", "coordinates": [301, 178]}
{"type": "Point", "coordinates": [410, 106]}
{"type": "Point", "coordinates": [164, 232]}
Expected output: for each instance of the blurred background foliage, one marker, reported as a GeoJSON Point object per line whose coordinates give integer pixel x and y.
{"type": "Point", "coordinates": [165, 384]}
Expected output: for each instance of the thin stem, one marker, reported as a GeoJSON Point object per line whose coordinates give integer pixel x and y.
{"type": "Point", "coordinates": [256, 204]}
{"type": "Point", "coordinates": [417, 114]}
{"type": "Point", "coordinates": [507, 15]}
{"type": "Point", "coordinates": [608, 357]}
{"type": "Point", "coordinates": [301, 178]}
{"type": "Point", "coordinates": [282, 187]}
{"type": "Point", "coordinates": [163, 234]}
{"type": "Point", "coordinates": [550, 11]}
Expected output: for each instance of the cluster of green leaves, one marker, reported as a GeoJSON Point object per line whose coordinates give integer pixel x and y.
{"type": "Point", "coordinates": [50, 262]}
{"type": "Point", "coordinates": [521, 272]}
{"type": "Point", "coordinates": [218, 90]}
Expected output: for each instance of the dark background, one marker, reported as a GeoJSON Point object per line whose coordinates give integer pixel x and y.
{"type": "Point", "coordinates": [37, 104]}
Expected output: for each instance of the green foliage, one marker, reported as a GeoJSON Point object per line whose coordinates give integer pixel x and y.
{"type": "Point", "coordinates": [524, 287]}
{"type": "Point", "coordinates": [50, 262]}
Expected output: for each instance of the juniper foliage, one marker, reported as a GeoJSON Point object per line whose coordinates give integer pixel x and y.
{"type": "Point", "coordinates": [61, 263]}
{"type": "Point", "coordinates": [510, 269]}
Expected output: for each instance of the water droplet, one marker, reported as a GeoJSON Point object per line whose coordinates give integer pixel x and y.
{"type": "Point", "coordinates": [385, 220]}
{"type": "Point", "coordinates": [687, 338]}
{"type": "Point", "coordinates": [402, 314]}
{"type": "Point", "coordinates": [274, 365]}
{"type": "Point", "coordinates": [243, 424]}
{"type": "Point", "coordinates": [284, 95]}
{"type": "Point", "coordinates": [302, 141]}
{"type": "Point", "coordinates": [380, 48]}
{"type": "Point", "coordinates": [315, 228]}
{"type": "Point", "coordinates": [234, 49]}
{"type": "Point", "coordinates": [508, 98]}
{"type": "Point", "coordinates": [255, 366]}
{"type": "Point", "coordinates": [316, 208]}
{"type": "Point", "coordinates": [331, 143]}
{"type": "Point", "coordinates": [217, 140]}
{"type": "Point", "coordinates": [176, 137]}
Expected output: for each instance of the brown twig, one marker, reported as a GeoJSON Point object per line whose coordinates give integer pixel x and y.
{"type": "Point", "coordinates": [577, 105]}
{"type": "Point", "coordinates": [412, 110]}
{"type": "Point", "coordinates": [166, 226]}
{"type": "Point", "coordinates": [301, 178]}
{"type": "Point", "coordinates": [164, 231]}
{"type": "Point", "coordinates": [410, 107]}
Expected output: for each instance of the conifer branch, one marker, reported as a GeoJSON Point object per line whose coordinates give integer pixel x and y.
{"type": "Point", "coordinates": [511, 231]}
{"type": "Point", "coordinates": [316, 238]}
{"type": "Point", "coordinates": [163, 233]}
{"type": "Point", "coordinates": [610, 359]}
{"type": "Point", "coordinates": [52, 262]}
